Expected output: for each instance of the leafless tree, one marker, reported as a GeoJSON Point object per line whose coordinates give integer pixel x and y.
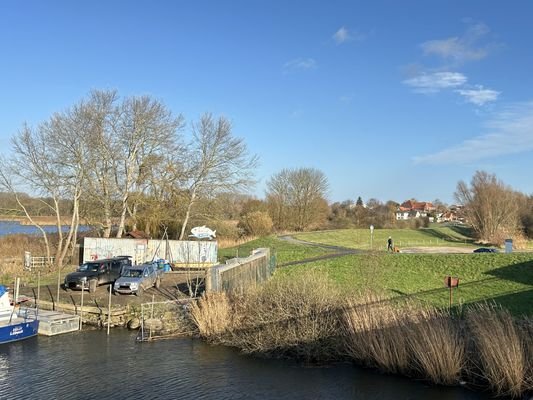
{"type": "Point", "coordinates": [217, 161]}
{"type": "Point", "coordinates": [145, 131]}
{"type": "Point", "coordinates": [103, 155]}
{"type": "Point", "coordinates": [297, 198]}
{"type": "Point", "coordinates": [490, 206]}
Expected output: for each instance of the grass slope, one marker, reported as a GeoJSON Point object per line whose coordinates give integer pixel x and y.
{"type": "Point", "coordinates": [360, 238]}
{"type": "Point", "coordinates": [506, 279]}
{"type": "Point", "coordinates": [283, 250]}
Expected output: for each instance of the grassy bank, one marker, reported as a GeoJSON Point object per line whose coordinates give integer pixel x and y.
{"type": "Point", "coordinates": [360, 238]}
{"type": "Point", "coordinates": [506, 279]}
{"type": "Point", "coordinates": [283, 250]}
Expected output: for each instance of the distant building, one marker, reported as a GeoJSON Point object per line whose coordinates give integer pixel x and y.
{"type": "Point", "coordinates": [411, 209]}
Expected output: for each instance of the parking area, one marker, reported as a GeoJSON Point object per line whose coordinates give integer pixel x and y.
{"type": "Point", "coordinates": [174, 285]}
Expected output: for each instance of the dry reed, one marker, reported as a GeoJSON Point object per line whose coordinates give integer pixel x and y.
{"type": "Point", "coordinates": [437, 345]}
{"type": "Point", "coordinates": [224, 243]}
{"type": "Point", "coordinates": [302, 317]}
{"type": "Point", "coordinates": [375, 334]}
{"type": "Point", "coordinates": [212, 315]}
{"type": "Point", "coordinates": [500, 352]}
{"type": "Point", "coordinates": [296, 316]}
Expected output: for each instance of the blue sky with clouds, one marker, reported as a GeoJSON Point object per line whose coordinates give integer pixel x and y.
{"type": "Point", "coordinates": [391, 100]}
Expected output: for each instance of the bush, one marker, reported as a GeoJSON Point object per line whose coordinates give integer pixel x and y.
{"type": "Point", "coordinates": [256, 223]}
{"type": "Point", "coordinates": [226, 230]}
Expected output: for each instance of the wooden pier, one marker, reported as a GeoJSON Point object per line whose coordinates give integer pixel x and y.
{"type": "Point", "coordinates": [53, 323]}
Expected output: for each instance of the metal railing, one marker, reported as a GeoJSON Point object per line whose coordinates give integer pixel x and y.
{"type": "Point", "coordinates": [31, 262]}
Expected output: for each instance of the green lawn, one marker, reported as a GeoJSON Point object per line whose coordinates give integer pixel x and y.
{"type": "Point", "coordinates": [506, 279]}
{"type": "Point", "coordinates": [360, 238]}
{"type": "Point", "coordinates": [283, 250]}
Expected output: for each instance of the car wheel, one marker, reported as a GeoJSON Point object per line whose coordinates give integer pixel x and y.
{"type": "Point", "coordinates": [157, 283]}
{"type": "Point", "coordinates": [139, 291]}
{"type": "Point", "coordinates": [93, 283]}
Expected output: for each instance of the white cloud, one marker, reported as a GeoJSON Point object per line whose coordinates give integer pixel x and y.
{"type": "Point", "coordinates": [509, 132]}
{"type": "Point", "coordinates": [460, 49]}
{"type": "Point", "coordinates": [436, 81]}
{"type": "Point", "coordinates": [479, 95]}
{"type": "Point", "coordinates": [344, 35]}
{"type": "Point", "coordinates": [299, 64]}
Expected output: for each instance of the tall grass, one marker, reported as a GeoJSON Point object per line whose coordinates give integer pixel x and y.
{"type": "Point", "coordinates": [307, 318]}
{"type": "Point", "coordinates": [375, 333]}
{"type": "Point", "coordinates": [296, 317]}
{"type": "Point", "coordinates": [437, 346]}
{"type": "Point", "coordinates": [500, 349]}
{"type": "Point", "coordinates": [404, 339]}
{"type": "Point", "coordinates": [211, 314]}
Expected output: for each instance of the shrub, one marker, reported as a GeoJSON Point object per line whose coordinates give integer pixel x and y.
{"type": "Point", "coordinates": [294, 317]}
{"type": "Point", "coordinates": [256, 223]}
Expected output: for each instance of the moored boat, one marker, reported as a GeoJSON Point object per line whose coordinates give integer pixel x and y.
{"type": "Point", "coordinates": [12, 326]}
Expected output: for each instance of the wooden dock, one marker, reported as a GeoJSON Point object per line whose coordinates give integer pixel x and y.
{"type": "Point", "coordinates": [53, 323]}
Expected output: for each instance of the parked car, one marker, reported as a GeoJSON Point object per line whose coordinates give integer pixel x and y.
{"type": "Point", "coordinates": [98, 272]}
{"type": "Point", "coordinates": [138, 278]}
{"type": "Point", "coordinates": [485, 250]}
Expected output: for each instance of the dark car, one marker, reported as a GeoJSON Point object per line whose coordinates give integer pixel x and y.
{"type": "Point", "coordinates": [485, 250]}
{"type": "Point", "coordinates": [98, 272]}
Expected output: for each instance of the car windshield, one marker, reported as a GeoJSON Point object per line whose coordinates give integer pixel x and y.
{"type": "Point", "coordinates": [133, 273]}
{"type": "Point", "coordinates": [92, 267]}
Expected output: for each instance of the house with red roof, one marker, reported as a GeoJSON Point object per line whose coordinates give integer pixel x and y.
{"type": "Point", "coordinates": [412, 209]}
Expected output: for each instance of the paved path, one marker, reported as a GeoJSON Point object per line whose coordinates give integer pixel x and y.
{"type": "Point", "coordinates": [337, 251]}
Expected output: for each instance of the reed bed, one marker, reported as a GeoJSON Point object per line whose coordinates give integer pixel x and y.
{"type": "Point", "coordinates": [306, 318]}
{"type": "Point", "coordinates": [500, 350]}
{"type": "Point", "coordinates": [375, 333]}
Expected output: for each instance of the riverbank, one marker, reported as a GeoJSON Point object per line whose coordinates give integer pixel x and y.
{"type": "Point", "coordinates": [308, 319]}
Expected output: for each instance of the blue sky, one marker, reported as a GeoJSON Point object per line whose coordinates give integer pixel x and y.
{"type": "Point", "coordinates": [391, 100]}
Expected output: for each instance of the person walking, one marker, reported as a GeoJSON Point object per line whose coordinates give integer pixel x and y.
{"type": "Point", "coordinates": [389, 244]}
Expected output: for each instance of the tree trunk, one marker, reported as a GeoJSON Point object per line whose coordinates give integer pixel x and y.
{"type": "Point", "coordinates": [187, 215]}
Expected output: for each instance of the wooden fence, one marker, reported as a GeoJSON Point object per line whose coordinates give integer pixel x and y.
{"type": "Point", "coordinates": [238, 274]}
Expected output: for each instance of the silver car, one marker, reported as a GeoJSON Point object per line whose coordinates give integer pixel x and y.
{"type": "Point", "coordinates": [136, 279]}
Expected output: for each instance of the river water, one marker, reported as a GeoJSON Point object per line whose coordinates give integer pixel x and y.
{"type": "Point", "coordinates": [92, 365]}
{"type": "Point", "coordinates": [15, 227]}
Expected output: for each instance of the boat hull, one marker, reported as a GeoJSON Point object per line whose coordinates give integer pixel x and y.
{"type": "Point", "coordinates": [18, 331]}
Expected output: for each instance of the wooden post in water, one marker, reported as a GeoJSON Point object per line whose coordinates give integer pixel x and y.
{"type": "Point", "coordinates": [81, 305]}
{"type": "Point", "coordinates": [109, 309]}
{"type": "Point", "coordinates": [38, 289]}
{"type": "Point", "coordinates": [58, 282]}
{"type": "Point", "coordinates": [16, 294]}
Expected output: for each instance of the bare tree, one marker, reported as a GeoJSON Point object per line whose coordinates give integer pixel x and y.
{"type": "Point", "coordinates": [490, 206]}
{"type": "Point", "coordinates": [103, 155]}
{"type": "Point", "coordinates": [297, 198]}
{"type": "Point", "coordinates": [216, 162]}
{"type": "Point", "coordinates": [145, 130]}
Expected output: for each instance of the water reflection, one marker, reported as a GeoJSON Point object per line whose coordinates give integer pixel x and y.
{"type": "Point", "coordinates": [91, 365]}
